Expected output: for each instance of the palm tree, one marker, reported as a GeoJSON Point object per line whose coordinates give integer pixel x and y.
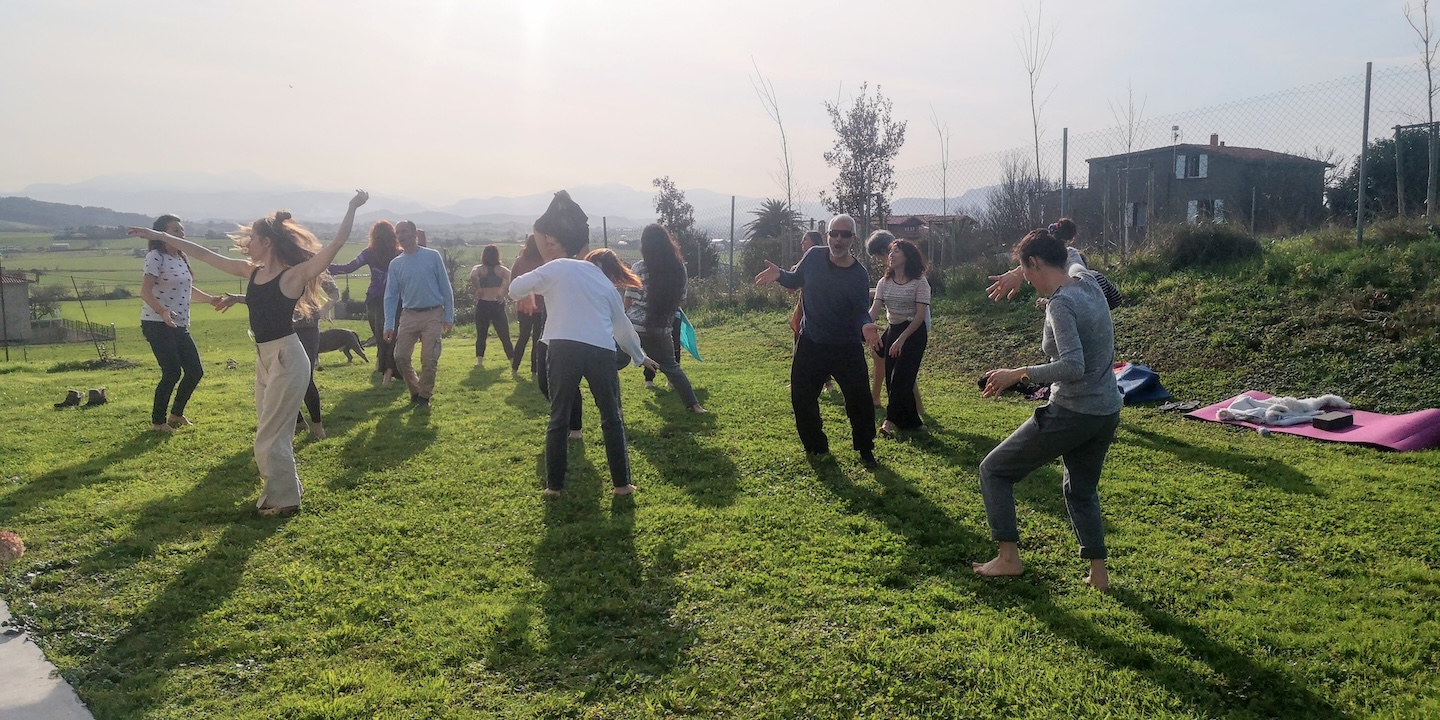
{"type": "Point", "coordinates": [774, 219]}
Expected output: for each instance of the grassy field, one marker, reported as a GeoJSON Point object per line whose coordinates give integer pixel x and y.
{"type": "Point", "coordinates": [1253, 577]}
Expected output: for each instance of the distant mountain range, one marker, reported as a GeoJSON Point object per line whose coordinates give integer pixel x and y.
{"type": "Point", "coordinates": [18, 213]}
{"type": "Point", "coordinates": [242, 197]}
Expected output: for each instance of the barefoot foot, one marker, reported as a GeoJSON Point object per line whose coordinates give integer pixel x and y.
{"type": "Point", "coordinates": [550, 494]}
{"type": "Point", "coordinates": [576, 435]}
{"type": "Point", "coordinates": [163, 428]}
{"type": "Point", "coordinates": [698, 409]}
{"type": "Point", "coordinates": [1099, 577]}
{"type": "Point", "coordinates": [998, 567]}
{"type": "Point", "coordinates": [622, 491]}
{"type": "Point", "coordinates": [176, 421]}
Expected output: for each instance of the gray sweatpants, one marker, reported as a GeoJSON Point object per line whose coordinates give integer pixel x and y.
{"type": "Point", "coordinates": [1082, 441]}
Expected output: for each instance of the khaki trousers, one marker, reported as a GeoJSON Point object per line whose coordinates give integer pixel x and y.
{"type": "Point", "coordinates": [424, 327]}
{"type": "Point", "coordinates": [282, 372]}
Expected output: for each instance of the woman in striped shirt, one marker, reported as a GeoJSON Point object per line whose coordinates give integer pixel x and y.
{"type": "Point", "coordinates": [904, 293]}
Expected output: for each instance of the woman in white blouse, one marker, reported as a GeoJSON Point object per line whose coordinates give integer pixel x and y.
{"type": "Point", "coordinates": [168, 289]}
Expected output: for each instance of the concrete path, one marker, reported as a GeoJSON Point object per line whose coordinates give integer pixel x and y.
{"type": "Point", "coordinates": [30, 689]}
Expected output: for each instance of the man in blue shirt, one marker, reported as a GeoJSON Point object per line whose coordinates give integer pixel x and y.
{"type": "Point", "coordinates": [419, 283]}
{"type": "Point", "coordinates": [836, 323]}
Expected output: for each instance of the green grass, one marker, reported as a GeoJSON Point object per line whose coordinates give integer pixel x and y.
{"type": "Point", "coordinates": [1253, 577]}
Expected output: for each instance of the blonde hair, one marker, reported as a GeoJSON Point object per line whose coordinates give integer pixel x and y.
{"type": "Point", "coordinates": [290, 244]}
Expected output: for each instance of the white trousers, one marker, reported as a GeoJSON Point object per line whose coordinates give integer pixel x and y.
{"type": "Point", "coordinates": [282, 372]}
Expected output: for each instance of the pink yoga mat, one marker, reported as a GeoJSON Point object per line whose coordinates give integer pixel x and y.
{"type": "Point", "coordinates": [1412, 431]}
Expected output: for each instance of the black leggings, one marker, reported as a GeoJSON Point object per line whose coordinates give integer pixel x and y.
{"type": "Point", "coordinates": [310, 339]}
{"type": "Point", "coordinates": [530, 325]}
{"type": "Point", "coordinates": [384, 350]}
{"type": "Point", "coordinates": [179, 363]}
{"type": "Point", "coordinates": [487, 313]}
{"type": "Point", "coordinates": [675, 336]}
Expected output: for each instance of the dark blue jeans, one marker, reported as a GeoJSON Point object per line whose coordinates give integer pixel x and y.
{"type": "Point", "coordinates": [569, 362]}
{"type": "Point", "coordinates": [1081, 441]}
{"type": "Point", "coordinates": [179, 363]}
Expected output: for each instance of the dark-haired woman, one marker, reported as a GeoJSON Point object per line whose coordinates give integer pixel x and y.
{"type": "Point", "coordinates": [530, 316]}
{"type": "Point", "coordinates": [168, 289]}
{"type": "Point", "coordinates": [490, 281]}
{"type": "Point", "coordinates": [376, 256]}
{"type": "Point", "coordinates": [1077, 424]}
{"type": "Point", "coordinates": [285, 265]}
{"type": "Point", "coordinates": [904, 294]}
{"type": "Point", "coordinates": [1065, 231]}
{"type": "Point", "coordinates": [654, 304]}
{"type": "Point", "coordinates": [584, 321]}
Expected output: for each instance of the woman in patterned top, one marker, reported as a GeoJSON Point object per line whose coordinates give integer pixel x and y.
{"type": "Point", "coordinates": [904, 293]}
{"type": "Point", "coordinates": [652, 307]}
{"type": "Point", "coordinates": [168, 289]}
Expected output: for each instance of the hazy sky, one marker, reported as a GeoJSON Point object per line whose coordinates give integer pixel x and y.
{"type": "Point", "coordinates": [441, 99]}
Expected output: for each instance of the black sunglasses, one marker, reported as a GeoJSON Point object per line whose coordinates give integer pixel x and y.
{"type": "Point", "coordinates": [841, 233]}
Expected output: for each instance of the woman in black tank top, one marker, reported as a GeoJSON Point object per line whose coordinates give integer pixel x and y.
{"type": "Point", "coordinates": [285, 265]}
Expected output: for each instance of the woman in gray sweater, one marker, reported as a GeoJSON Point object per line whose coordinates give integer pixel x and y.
{"type": "Point", "coordinates": [1079, 422]}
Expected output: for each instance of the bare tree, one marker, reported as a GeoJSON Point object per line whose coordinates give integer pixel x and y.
{"type": "Point", "coordinates": [765, 90]}
{"type": "Point", "coordinates": [1425, 33]}
{"type": "Point", "coordinates": [1128, 120]}
{"type": "Point", "coordinates": [1035, 44]}
{"type": "Point", "coordinates": [942, 129]}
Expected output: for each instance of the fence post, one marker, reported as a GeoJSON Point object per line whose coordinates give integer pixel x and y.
{"type": "Point", "coordinates": [605, 230]}
{"type": "Point", "coordinates": [732, 250]}
{"type": "Point", "coordinates": [1364, 144]}
{"type": "Point", "coordinates": [1399, 177]}
{"type": "Point", "coordinates": [4, 318]}
{"type": "Point", "coordinates": [1065, 172]}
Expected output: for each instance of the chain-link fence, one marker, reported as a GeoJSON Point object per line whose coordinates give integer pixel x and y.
{"type": "Point", "coordinates": [1274, 164]}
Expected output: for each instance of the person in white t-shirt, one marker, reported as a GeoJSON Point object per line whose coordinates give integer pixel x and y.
{"type": "Point", "coordinates": [168, 289]}
{"type": "Point", "coordinates": [585, 320]}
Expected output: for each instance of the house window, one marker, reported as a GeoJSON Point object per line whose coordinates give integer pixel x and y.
{"type": "Point", "coordinates": [1135, 215]}
{"type": "Point", "coordinates": [1192, 166]}
{"type": "Point", "coordinates": [1200, 210]}
{"type": "Point", "coordinates": [1219, 211]}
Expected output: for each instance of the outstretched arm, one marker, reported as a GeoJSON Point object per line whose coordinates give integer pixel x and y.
{"type": "Point", "coordinates": [239, 267]}
{"type": "Point", "coordinates": [292, 284]}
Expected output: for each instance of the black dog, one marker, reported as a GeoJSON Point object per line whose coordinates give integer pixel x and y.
{"type": "Point", "coordinates": [344, 340]}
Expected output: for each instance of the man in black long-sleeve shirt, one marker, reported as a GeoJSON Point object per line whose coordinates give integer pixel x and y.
{"type": "Point", "coordinates": [836, 323]}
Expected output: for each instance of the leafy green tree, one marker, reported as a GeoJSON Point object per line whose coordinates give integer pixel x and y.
{"type": "Point", "coordinates": [678, 216]}
{"type": "Point", "coordinates": [867, 140]}
{"type": "Point", "coordinates": [773, 219]}
{"type": "Point", "coordinates": [1380, 189]}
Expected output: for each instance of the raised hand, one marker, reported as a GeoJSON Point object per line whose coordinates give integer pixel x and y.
{"type": "Point", "coordinates": [770, 274]}
{"type": "Point", "coordinates": [1006, 285]}
{"type": "Point", "coordinates": [361, 197]}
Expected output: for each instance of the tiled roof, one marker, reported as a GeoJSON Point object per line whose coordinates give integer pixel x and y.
{"type": "Point", "coordinates": [1239, 153]}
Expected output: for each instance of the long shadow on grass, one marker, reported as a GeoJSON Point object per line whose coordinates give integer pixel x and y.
{"type": "Point", "coordinates": [1042, 489]}
{"type": "Point", "coordinates": [398, 435]}
{"type": "Point", "coordinates": [60, 481]}
{"type": "Point", "coordinates": [606, 611]}
{"type": "Point", "coordinates": [938, 545]}
{"type": "Point", "coordinates": [708, 474]}
{"type": "Point", "coordinates": [1235, 686]}
{"type": "Point", "coordinates": [127, 677]}
{"type": "Point", "coordinates": [356, 407]}
{"type": "Point", "coordinates": [481, 378]}
{"type": "Point", "coordinates": [1256, 469]}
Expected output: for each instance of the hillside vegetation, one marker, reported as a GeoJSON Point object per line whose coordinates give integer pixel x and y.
{"type": "Point", "coordinates": [1299, 316]}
